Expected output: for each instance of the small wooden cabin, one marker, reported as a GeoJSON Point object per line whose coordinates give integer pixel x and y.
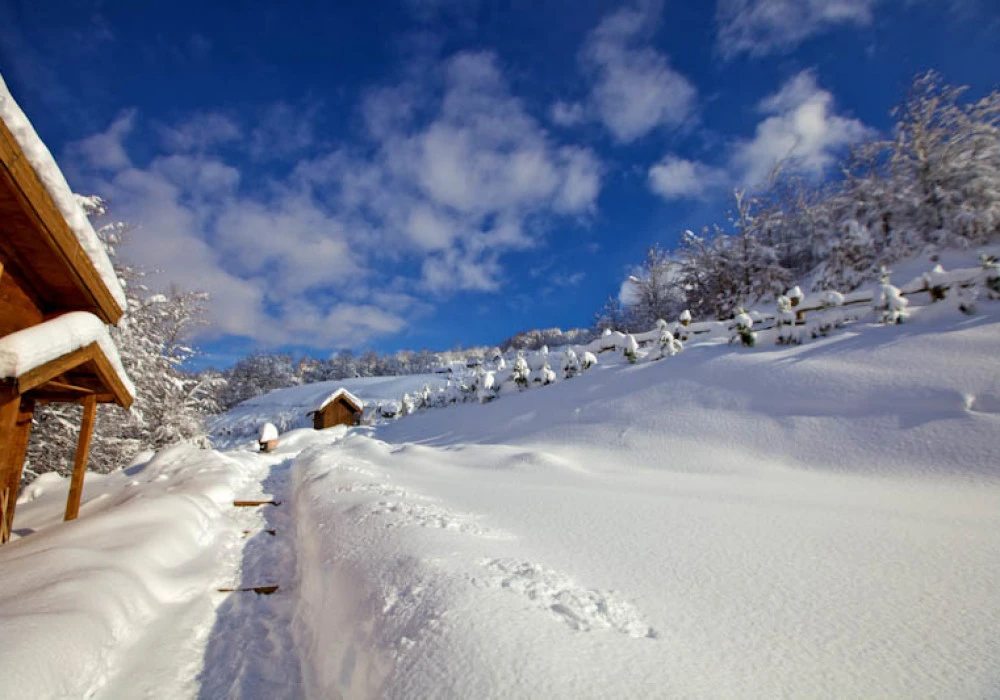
{"type": "Point", "coordinates": [339, 408]}
{"type": "Point", "coordinates": [58, 294]}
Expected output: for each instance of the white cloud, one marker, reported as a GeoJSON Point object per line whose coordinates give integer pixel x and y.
{"type": "Point", "coordinates": [760, 27]}
{"type": "Point", "coordinates": [567, 113]}
{"type": "Point", "coordinates": [679, 178]}
{"type": "Point", "coordinates": [635, 90]}
{"type": "Point", "coordinates": [799, 132]}
{"type": "Point", "coordinates": [346, 248]}
{"type": "Point", "coordinates": [105, 150]}
{"type": "Point", "coordinates": [200, 132]}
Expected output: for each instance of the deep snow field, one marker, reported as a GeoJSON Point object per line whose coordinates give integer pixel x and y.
{"type": "Point", "coordinates": [811, 521]}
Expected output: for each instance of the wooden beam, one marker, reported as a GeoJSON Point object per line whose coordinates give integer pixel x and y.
{"type": "Point", "coordinates": [15, 427]}
{"type": "Point", "coordinates": [80, 460]}
{"type": "Point", "coordinates": [91, 355]}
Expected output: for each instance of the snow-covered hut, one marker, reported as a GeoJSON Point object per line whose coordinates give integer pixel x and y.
{"type": "Point", "coordinates": [339, 408]}
{"type": "Point", "coordinates": [58, 294]}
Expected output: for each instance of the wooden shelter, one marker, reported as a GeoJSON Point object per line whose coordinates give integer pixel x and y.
{"type": "Point", "coordinates": [339, 408]}
{"type": "Point", "coordinates": [57, 295]}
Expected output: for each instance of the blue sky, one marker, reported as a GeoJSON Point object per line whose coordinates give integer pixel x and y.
{"type": "Point", "coordinates": [428, 173]}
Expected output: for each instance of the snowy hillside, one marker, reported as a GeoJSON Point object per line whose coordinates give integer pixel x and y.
{"type": "Point", "coordinates": [287, 408]}
{"type": "Point", "coordinates": [820, 520]}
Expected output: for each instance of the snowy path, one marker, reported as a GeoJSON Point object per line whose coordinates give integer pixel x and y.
{"type": "Point", "coordinates": [250, 652]}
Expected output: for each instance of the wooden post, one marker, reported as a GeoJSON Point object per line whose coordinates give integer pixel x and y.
{"type": "Point", "coordinates": [15, 428]}
{"type": "Point", "coordinates": [80, 461]}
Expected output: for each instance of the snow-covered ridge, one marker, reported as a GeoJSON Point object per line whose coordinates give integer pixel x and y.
{"type": "Point", "coordinates": [24, 350]}
{"type": "Point", "coordinates": [55, 184]}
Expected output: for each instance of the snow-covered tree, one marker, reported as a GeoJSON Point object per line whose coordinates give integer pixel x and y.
{"type": "Point", "coordinates": [588, 360]}
{"type": "Point", "coordinates": [785, 320]}
{"type": "Point", "coordinates": [889, 304]}
{"type": "Point", "coordinates": [170, 404]}
{"type": "Point", "coordinates": [547, 375]}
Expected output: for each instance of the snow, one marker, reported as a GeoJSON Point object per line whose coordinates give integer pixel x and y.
{"type": "Point", "coordinates": [27, 349]}
{"type": "Point", "coordinates": [268, 433]}
{"type": "Point", "coordinates": [55, 184]}
{"type": "Point", "coordinates": [817, 520]}
{"type": "Point", "coordinates": [336, 395]}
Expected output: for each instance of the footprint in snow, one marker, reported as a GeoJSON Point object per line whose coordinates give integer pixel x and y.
{"type": "Point", "coordinates": [582, 609]}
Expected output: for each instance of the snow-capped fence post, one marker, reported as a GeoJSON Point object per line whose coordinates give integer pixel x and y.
{"type": "Point", "coordinates": [80, 460]}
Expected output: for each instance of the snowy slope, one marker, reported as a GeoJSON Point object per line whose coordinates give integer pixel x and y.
{"type": "Point", "coordinates": [287, 408]}
{"type": "Point", "coordinates": [811, 521]}
{"type": "Point", "coordinates": [818, 521]}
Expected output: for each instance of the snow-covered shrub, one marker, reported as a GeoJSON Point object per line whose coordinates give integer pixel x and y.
{"type": "Point", "coordinates": [888, 302]}
{"type": "Point", "coordinates": [520, 372]}
{"type": "Point", "coordinates": [631, 349]}
{"type": "Point", "coordinates": [488, 387]}
{"type": "Point", "coordinates": [685, 318]}
{"type": "Point", "coordinates": [547, 375]}
{"type": "Point", "coordinates": [406, 405]}
{"type": "Point", "coordinates": [588, 360]}
{"type": "Point", "coordinates": [744, 328]}
{"type": "Point", "coordinates": [668, 345]}
{"type": "Point", "coordinates": [570, 363]}
{"type": "Point", "coordinates": [389, 409]}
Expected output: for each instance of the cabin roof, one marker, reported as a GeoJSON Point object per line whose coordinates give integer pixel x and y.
{"type": "Point", "coordinates": [65, 358]}
{"type": "Point", "coordinates": [358, 404]}
{"type": "Point", "coordinates": [48, 239]}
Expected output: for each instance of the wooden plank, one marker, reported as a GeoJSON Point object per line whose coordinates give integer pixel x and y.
{"type": "Point", "coordinates": [80, 460]}
{"type": "Point", "coordinates": [15, 428]}
{"type": "Point", "coordinates": [250, 504]}
{"type": "Point", "coordinates": [53, 228]}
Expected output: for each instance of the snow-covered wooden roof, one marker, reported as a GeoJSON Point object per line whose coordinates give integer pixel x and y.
{"type": "Point", "coordinates": [341, 393]}
{"type": "Point", "coordinates": [47, 235]}
{"type": "Point", "coordinates": [65, 357]}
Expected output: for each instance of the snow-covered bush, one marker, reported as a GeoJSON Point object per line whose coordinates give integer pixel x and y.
{"type": "Point", "coordinates": [406, 405]}
{"type": "Point", "coordinates": [685, 318]}
{"type": "Point", "coordinates": [887, 301]}
{"type": "Point", "coordinates": [389, 409]}
{"type": "Point", "coordinates": [631, 349]}
{"type": "Point", "coordinates": [668, 345]}
{"type": "Point", "coordinates": [588, 360]}
{"type": "Point", "coordinates": [570, 363]}
{"type": "Point", "coordinates": [547, 375]}
{"type": "Point", "coordinates": [744, 328]}
{"type": "Point", "coordinates": [520, 372]}
{"type": "Point", "coordinates": [488, 387]}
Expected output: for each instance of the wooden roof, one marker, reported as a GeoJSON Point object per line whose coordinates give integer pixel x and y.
{"type": "Point", "coordinates": [73, 376]}
{"type": "Point", "coordinates": [38, 246]}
